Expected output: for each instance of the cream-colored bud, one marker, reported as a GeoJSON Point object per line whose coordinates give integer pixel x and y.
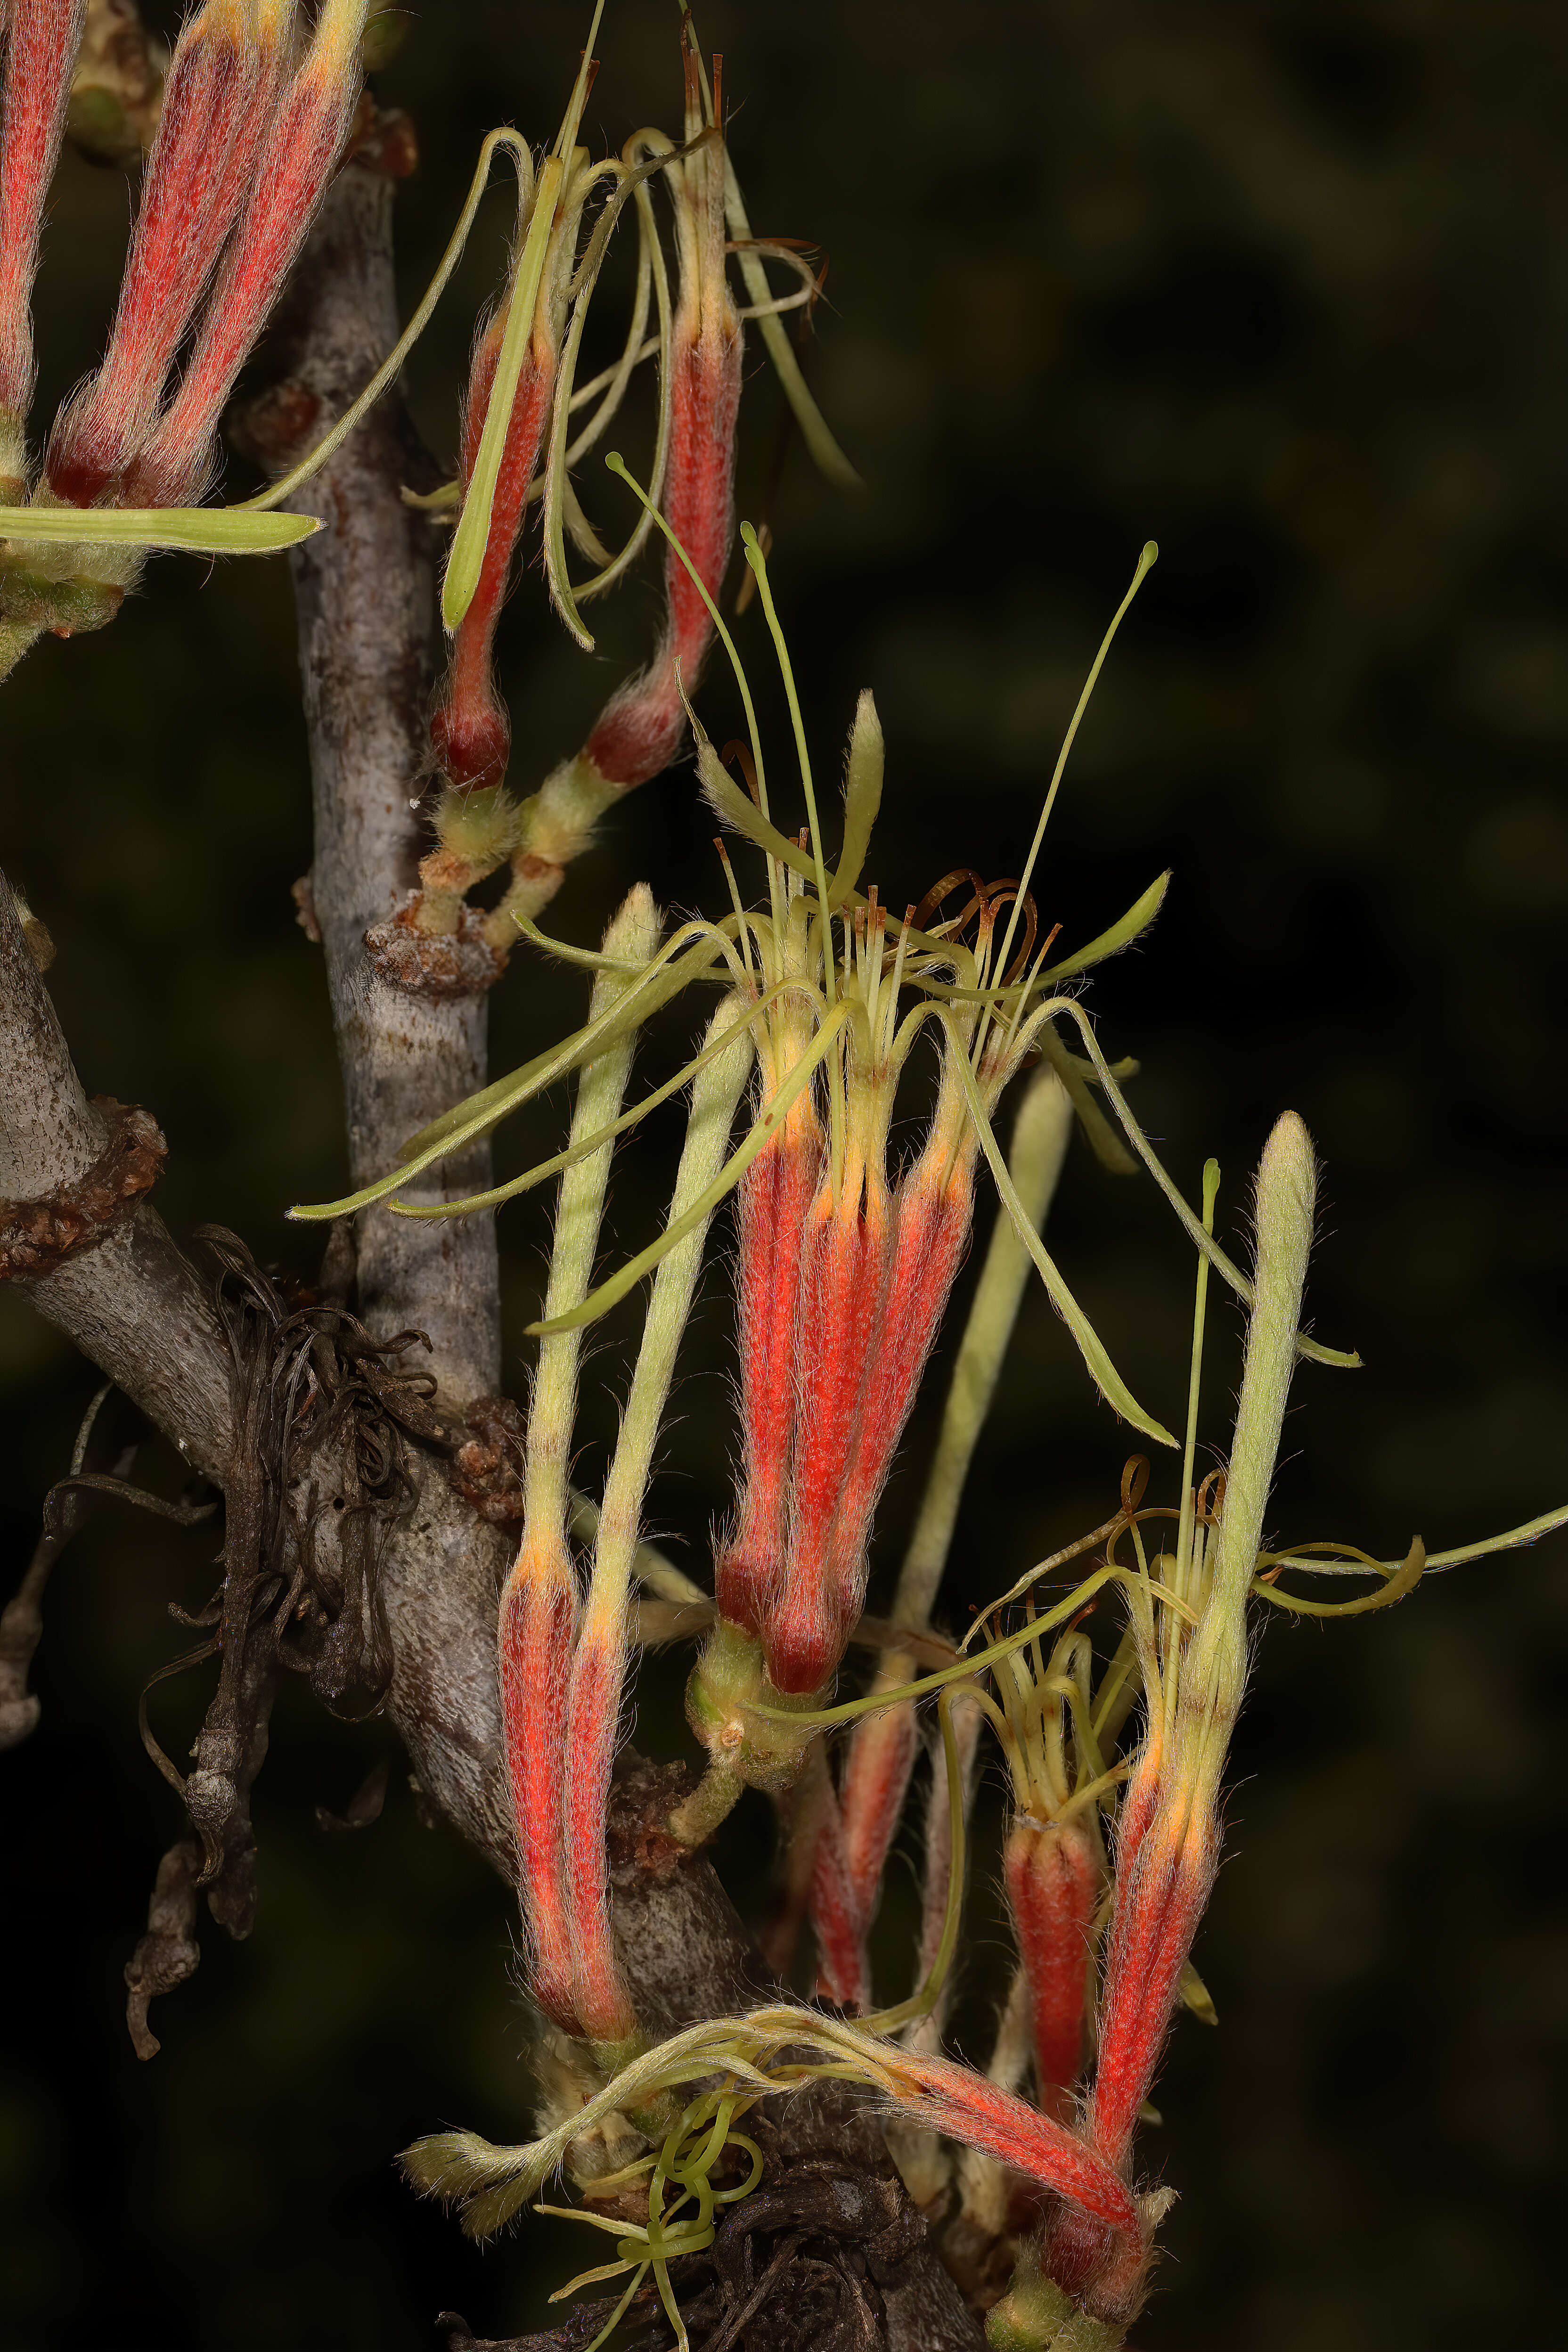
{"type": "Point", "coordinates": [1213, 1669]}
{"type": "Point", "coordinates": [631, 938]}
{"type": "Point", "coordinates": [862, 795]}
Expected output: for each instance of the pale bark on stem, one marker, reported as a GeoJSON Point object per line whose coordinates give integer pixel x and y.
{"type": "Point", "coordinates": [130, 1302]}
{"type": "Point", "coordinates": [144, 1315]}
{"type": "Point", "coordinates": [365, 596]}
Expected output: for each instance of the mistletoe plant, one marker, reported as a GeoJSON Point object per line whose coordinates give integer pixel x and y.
{"type": "Point", "coordinates": [741, 2113]}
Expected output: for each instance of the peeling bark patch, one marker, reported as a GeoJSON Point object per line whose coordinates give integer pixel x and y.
{"type": "Point", "coordinates": [37, 1235]}
{"type": "Point", "coordinates": [487, 1469]}
{"type": "Point", "coordinates": [438, 966]}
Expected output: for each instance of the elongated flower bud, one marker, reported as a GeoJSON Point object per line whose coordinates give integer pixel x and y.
{"type": "Point", "coordinates": [876, 1284]}
{"type": "Point", "coordinates": [599, 1992]}
{"type": "Point", "coordinates": [843, 1272]}
{"type": "Point", "coordinates": [539, 1606]}
{"type": "Point", "coordinates": [842, 1967]}
{"type": "Point", "coordinates": [293, 162]}
{"type": "Point", "coordinates": [883, 1748]}
{"type": "Point", "coordinates": [641, 727]}
{"type": "Point", "coordinates": [933, 1209]}
{"type": "Point", "coordinates": [218, 99]}
{"type": "Point", "coordinates": [602, 2001]}
{"type": "Point", "coordinates": [470, 731]}
{"type": "Point", "coordinates": [942, 2096]}
{"type": "Point", "coordinates": [876, 1776]}
{"type": "Point", "coordinates": [773, 1204]}
{"type": "Point", "coordinates": [536, 1631]}
{"type": "Point", "coordinates": [41, 39]}
{"type": "Point", "coordinates": [1165, 1867]}
{"type": "Point", "coordinates": [1051, 1872]}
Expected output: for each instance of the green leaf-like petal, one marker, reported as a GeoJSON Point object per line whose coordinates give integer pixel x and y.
{"type": "Point", "coordinates": [1120, 935]}
{"type": "Point", "coordinates": [189, 531]}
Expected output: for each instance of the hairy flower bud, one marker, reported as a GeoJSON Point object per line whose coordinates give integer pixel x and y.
{"type": "Point", "coordinates": [773, 1204]}
{"type": "Point", "coordinates": [604, 2003]}
{"type": "Point", "coordinates": [843, 1965]}
{"type": "Point", "coordinates": [538, 1618]}
{"type": "Point", "coordinates": [933, 1208]}
{"type": "Point", "coordinates": [289, 167]}
{"type": "Point", "coordinates": [217, 100]}
{"type": "Point", "coordinates": [641, 727]}
{"type": "Point", "coordinates": [1051, 1872]}
{"type": "Point", "coordinates": [844, 1262]}
{"type": "Point", "coordinates": [41, 39]}
{"type": "Point", "coordinates": [945, 2097]}
{"type": "Point", "coordinates": [1169, 1849]}
{"type": "Point", "coordinates": [539, 1606]}
{"type": "Point", "coordinates": [469, 731]}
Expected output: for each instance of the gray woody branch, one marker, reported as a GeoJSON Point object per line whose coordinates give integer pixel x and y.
{"type": "Point", "coordinates": [364, 595]}
{"type": "Point", "coordinates": [130, 1301]}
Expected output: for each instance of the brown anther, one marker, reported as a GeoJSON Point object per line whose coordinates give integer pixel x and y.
{"type": "Point", "coordinates": [942, 890]}
{"type": "Point", "coordinates": [1134, 1478]}
{"type": "Point", "coordinates": [735, 749]}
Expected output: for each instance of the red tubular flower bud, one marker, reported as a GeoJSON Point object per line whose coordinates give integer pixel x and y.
{"type": "Point", "coordinates": [852, 1851]}
{"type": "Point", "coordinates": [538, 1614]}
{"type": "Point", "coordinates": [1052, 1877]}
{"type": "Point", "coordinates": [844, 1269]}
{"type": "Point", "coordinates": [876, 1777]}
{"type": "Point", "coordinates": [932, 1222]}
{"type": "Point", "coordinates": [291, 165]}
{"type": "Point", "coordinates": [941, 2096]}
{"type": "Point", "coordinates": [470, 731]}
{"type": "Point", "coordinates": [41, 43]}
{"type": "Point", "coordinates": [1160, 1898]}
{"type": "Point", "coordinates": [641, 729]}
{"type": "Point", "coordinates": [216, 101]}
{"type": "Point", "coordinates": [593, 1722]}
{"type": "Point", "coordinates": [1140, 1801]}
{"type": "Point", "coordinates": [774, 1202]}
{"type": "Point", "coordinates": [842, 1967]}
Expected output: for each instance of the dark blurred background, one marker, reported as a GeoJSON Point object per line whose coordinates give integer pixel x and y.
{"type": "Point", "coordinates": [1282, 287]}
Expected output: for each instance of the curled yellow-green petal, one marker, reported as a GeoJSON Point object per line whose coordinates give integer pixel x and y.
{"type": "Point", "coordinates": [1404, 1580]}
{"type": "Point", "coordinates": [1090, 1347]}
{"type": "Point", "coordinates": [1065, 1007]}
{"type": "Point", "coordinates": [451, 493]}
